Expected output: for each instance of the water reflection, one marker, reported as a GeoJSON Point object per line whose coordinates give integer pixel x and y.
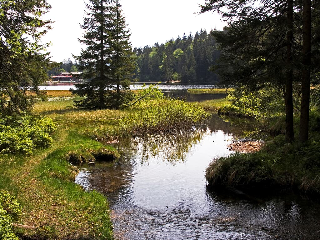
{"type": "Point", "coordinates": [158, 191]}
{"type": "Point", "coordinates": [164, 147]}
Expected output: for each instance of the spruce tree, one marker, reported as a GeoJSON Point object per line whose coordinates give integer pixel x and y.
{"type": "Point", "coordinates": [107, 61]}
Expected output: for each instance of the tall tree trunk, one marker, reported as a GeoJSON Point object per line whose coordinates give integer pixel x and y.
{"type": "Point", "coordinates": [289, 79]}
{"type": "Point", "coordinates": [306, 64]}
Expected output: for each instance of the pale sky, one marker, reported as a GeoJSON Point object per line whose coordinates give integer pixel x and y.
{"type": "Point", "coordinates": [149, 21]}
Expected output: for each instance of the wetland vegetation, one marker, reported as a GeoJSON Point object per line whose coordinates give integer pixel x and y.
{"type": "Point", "coordinates": [43, 179]}
{"type": "Point", "coordinates": [268, 53]}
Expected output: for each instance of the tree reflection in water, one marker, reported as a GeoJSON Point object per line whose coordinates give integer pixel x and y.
{"type": "Point", "coordinates": [167, 147]}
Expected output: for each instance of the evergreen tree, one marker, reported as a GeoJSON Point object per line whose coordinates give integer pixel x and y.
{"type": "Point", "coordinates": [107, 61]}
{"type": "Point", "coordinates": [259, 46]}
{"type": "Point", "coordinates": [22, 65]}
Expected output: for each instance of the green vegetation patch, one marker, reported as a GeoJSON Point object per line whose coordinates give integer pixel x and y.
{"type": "Point", "coordinates": [211, 91]}
{"type": "Point", "coordinates": [277, 165]}
{"type": "Point", "coordinates": [150, 112]}
{"type": "Point", "coordinates": [215, 104]}
{"type": "Point", "coordinates": [24, 134]}
{"type": "Point", "coordinates": [10, 211]}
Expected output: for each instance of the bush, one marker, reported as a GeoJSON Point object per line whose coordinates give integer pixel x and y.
{"type": "Point", "coordinates": [9, 211]}
{"type": "Point", "coordinates": [24, 134]}
{"type": "Point", "coordinates": [263, 103]}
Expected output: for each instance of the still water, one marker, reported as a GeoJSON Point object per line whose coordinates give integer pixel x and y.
{"type": "Point", "coordinates": [165, 87]}
{"type": "Point", "coordinates": [157, 190]}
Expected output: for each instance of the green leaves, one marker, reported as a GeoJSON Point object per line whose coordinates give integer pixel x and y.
{"type": "Point", "coordinates": [21, 27]}
{"type": "Point", "coordinates": [9, 211]}
{"type": "Point", "coordinates": [25, 134]}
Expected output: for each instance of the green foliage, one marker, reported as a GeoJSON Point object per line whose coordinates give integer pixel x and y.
{"type": "Point", "coordinates": [263, 103]}
{"type": "Point", "coordinates": [147, 93]}
{"type": "Point", "coordinates": [10, 210]}
{"type": "Point", "coordinates": [107, 62]}
{"type": "Point", "coordinates": [186, 59]}
{"type": "Point", "coordinates": [22, 63]}
{"type": "Point", "coordinates": [25, 133]}
{"type": "Point", "coordinates": [153, 113]}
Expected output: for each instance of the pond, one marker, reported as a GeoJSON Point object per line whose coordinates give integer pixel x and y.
{"type": "Point", "coordinates": [157, 190]}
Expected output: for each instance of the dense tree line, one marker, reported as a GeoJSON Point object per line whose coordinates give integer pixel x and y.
{"type": "Point", "coordinates": [64, 66]}
{"type": "Point", "coordinates": [187, 59]}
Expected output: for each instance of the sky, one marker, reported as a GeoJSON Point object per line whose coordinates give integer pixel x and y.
{"type": "Point", "coordinates": [149, 21]}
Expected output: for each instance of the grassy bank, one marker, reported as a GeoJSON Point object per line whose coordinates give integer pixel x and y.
{"type": "Point", "coordinates": [52, 205]}
{"type": "Point", "coordinates": [278, 165]}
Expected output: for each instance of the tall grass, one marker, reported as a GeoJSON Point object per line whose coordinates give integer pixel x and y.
{"type": "Point", "coordinates": [161, 115]}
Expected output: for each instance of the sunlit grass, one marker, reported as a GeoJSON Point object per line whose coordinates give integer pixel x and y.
{"type": "Point", "coordinates": [211, 91]}
{"type": "Point", "coordinates": [53, 206]}
{"type": "Point", "coordinates": [215, 104]}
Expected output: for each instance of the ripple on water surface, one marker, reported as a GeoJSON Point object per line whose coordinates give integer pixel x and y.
{"type": "Point", "coordinates": [155, 195]}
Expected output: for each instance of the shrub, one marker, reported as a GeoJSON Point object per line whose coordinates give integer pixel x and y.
{"type": "Point", "coordinates": [9, 211]}
{"type": "Point", "coordinates": [262, 103]}
{"type": "Point", "coordinates": [24, 134]}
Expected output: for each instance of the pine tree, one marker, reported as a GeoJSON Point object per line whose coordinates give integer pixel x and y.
{"type": "Point", "coordinates": [107, 61]}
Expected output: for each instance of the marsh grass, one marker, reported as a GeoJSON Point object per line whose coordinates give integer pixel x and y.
{"type": "Point", "coordinates": [161, 116]}
{"type": "Point", "coordinates": [215, 104]}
